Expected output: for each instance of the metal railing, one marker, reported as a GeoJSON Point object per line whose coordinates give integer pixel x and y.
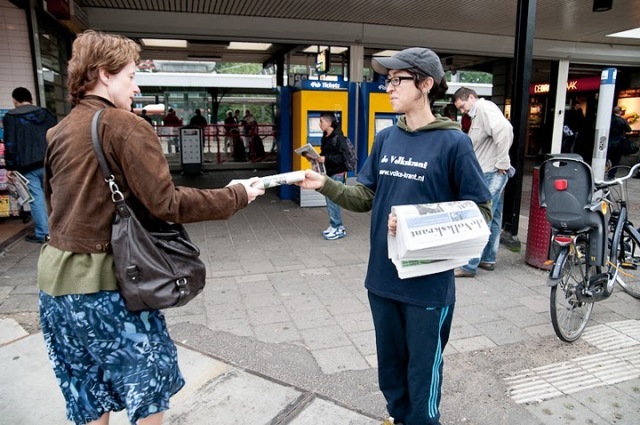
{"type": "Point", "coordinates": [221, 143]}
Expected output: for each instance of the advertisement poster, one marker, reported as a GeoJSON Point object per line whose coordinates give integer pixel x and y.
{"type": "Point", "coordinates": [629, 101]}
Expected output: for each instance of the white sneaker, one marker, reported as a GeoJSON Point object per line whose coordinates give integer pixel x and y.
{"type": "Point", "coordinates": [328, 230]}
{"type": "Point", "coordinates": [336, 234]}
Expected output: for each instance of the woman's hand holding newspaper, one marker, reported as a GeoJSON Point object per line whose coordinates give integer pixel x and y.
{"type": "Point", "coordinates": [252, 191]}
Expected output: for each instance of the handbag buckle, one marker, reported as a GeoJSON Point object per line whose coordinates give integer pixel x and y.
{"type": "Point", "coordinates": [133, 272]}
{"type": "Point", "coordinates": [182, 286]}
{"type": "Point", "coordinates": [116, 195]}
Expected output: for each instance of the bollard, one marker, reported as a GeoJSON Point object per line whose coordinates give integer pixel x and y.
{"type": "Point", "coordinates": [539, 230]}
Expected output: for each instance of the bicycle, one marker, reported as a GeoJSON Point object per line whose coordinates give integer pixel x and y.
{"type": "Point", "coordinates": [587, 262]}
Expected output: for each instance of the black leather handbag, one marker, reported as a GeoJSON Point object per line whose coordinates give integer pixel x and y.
{"type": "Point", "coordinates": [157, 268]}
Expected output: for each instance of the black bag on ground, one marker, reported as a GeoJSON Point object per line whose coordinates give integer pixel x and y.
{"type": "Point", "coordinates": [628, 147]}
{"type": "Point", "coordinates": [239, 153]}
{"type": "Point", "coordinates": [154, 269]}
{"type": "Point", "coordinates": [258, 146]}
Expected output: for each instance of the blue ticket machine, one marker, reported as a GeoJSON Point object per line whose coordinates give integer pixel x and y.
{"type": "Point", "coordinates": [308, 100]}
{"type": "Point", "coordinates": [375, 113]}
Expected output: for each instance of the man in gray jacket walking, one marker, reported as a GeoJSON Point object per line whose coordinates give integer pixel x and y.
{"type": "Point", "coordinates": [492, 135]}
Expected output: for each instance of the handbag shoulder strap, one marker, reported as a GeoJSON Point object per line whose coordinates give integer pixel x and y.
{"type": "Point", "coordinates": [97, 145]}
{"type": "Point", "coordinates": [116, 196]}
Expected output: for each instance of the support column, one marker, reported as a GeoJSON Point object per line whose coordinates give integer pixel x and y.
{"type": "Point", "coordinates": [36, 56]}
{"type": "Point", "coordinates": [525, 26]}
{"type": "Point", "coordinates": [356, 62]}
{"type": "Point", "coordinates": [603, 121]}
{"type": "Point", "coordinates": [280, 71]}
{"type": "Point", "coordinates": [561, 100]}
{"type": "Point", "coordinates": [500, 72]}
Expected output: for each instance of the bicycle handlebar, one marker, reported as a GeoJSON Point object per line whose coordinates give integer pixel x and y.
{"type": "Point", "coordinates": [603, 184]}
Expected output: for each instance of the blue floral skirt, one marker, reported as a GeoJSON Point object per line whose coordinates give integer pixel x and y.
{"type": "Point", "coordinates": [107, 358]}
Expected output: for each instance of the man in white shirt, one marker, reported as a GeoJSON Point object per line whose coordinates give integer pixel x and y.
{"type": "Point", "coordinates": [492, 136]}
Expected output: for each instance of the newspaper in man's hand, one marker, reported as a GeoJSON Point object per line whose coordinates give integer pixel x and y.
{"type": "Point", "coordinates": [312, 155]}
{"type": "Point", "coordinates": [274, 180]}
{"type": "Point", "coordinates": [431, 238]}
{"type": "Point", "coordinates": [21, 184]}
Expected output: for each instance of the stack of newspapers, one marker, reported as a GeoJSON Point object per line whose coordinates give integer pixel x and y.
{"type": "Point", "coordinates": [431, 238]}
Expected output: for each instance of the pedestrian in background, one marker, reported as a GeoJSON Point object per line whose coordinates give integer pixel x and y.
{"type": "Point", "coordinates": [144, 116]}
{"type": "Point", "coordinates": [250, 127]}
{"type": "Point", "coordinates": [449, 111]}
{"type": "Point", "coordinates": [25, 129]}
{"type": "Point", "coordinates": [198, 119]}
{"type": "Point", "coordinates": [230, 131]}
{"type": "Point", "coordinates": [172, 120]}
{"type": "Point", "coordinates": [492, 136]}
{"type": "Point", "coordinates": [334, 153]}
{"type": "Point", "coordinates": [105, 357]}
{"type": "Point", "coordinates": [617, 134]}
{"type": "Point", "coordinates": [412, 317]}
{"type": "Point", "coordinates": [573, 119]}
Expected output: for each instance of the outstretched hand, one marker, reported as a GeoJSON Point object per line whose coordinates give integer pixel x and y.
{"type": "Point", "coordinates": [253, 187]}
{"type": "Point", "coordinates": [312, 180]}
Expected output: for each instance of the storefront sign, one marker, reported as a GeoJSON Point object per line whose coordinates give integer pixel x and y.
{"type": "Point", "coordinates": [629, 101]}
{"type": "Point", "coordinates": [575, 85]}
{"type": "Point", "coordinates": [539, 88]}
{"type": "Point", "coordinates": [624, 94]}
{"type": "Point", "coordinates": [61, 9]}
{"type": "Point", "coordinates": [322, 85]}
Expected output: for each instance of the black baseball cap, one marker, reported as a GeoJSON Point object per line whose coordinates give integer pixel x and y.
{"type": "Point", "coordinates": [415, 57]}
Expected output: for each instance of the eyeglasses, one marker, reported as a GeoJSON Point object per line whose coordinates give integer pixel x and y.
{"type": "Point", "coordinates": [461, 105]}
{"type": "Point", "coordinates": [396, 81]}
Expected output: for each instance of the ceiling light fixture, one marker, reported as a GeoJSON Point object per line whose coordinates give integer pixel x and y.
{"type": "Point", "coordinates": [159, 42]}
{"type": "Point", "coordinates": [387, 53]}
{"type": "Point", "coordinates": [206, 58]}
{"type": "Point", "coordinates": [632, 33]}
{"type": "Point", "coordinates": [602, 5]}
{"type": "Point", "coordinates": [313, 49]}
{"type": "Point", "coordinates": [236, 45]}
{"type": "Point", "coordinates": [335, 50]}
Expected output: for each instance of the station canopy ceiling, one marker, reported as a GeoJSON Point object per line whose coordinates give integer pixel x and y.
{"type": "Point", "coordinates": [467, 34]}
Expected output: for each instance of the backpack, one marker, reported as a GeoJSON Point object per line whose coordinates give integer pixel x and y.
{"type": "Point", "coordinates": [352, 157]}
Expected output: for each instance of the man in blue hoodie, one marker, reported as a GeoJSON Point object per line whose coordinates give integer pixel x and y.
{"type": "Point", "coordinates": [25, 130]}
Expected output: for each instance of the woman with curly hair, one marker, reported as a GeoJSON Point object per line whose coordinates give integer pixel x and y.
{"type": "Point", "coordinates": [105, 357]}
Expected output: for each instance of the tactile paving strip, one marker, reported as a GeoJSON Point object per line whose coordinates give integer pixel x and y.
{"type": "Point", "coordinates": [619, 361]}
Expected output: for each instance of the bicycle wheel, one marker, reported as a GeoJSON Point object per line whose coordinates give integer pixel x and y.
{"type": "Point", "coordinates": [569, 315]}
{"type": "Point", "coordinates": [629, 272]}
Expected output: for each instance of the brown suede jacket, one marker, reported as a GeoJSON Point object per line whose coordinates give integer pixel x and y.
{"type": "Point", "coordinates": [78, 199]}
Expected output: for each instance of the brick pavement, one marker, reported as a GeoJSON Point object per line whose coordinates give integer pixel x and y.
{"type": "Point", "coordinates": [285, 304]}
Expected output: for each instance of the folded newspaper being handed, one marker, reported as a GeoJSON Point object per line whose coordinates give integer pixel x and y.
{"type": "Point", "coordinates": [274, 180]}
{"type": "Point", "coordinates": [431, 238]}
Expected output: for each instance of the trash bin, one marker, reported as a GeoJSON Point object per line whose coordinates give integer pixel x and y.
{"type": "Point", "coordinates": [191, 149]}
{"type": "Point", "coordinates": [539, 230]}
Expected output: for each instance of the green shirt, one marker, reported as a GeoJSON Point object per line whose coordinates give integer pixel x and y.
{"type": "Point", "coordinates": [64, 273]}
